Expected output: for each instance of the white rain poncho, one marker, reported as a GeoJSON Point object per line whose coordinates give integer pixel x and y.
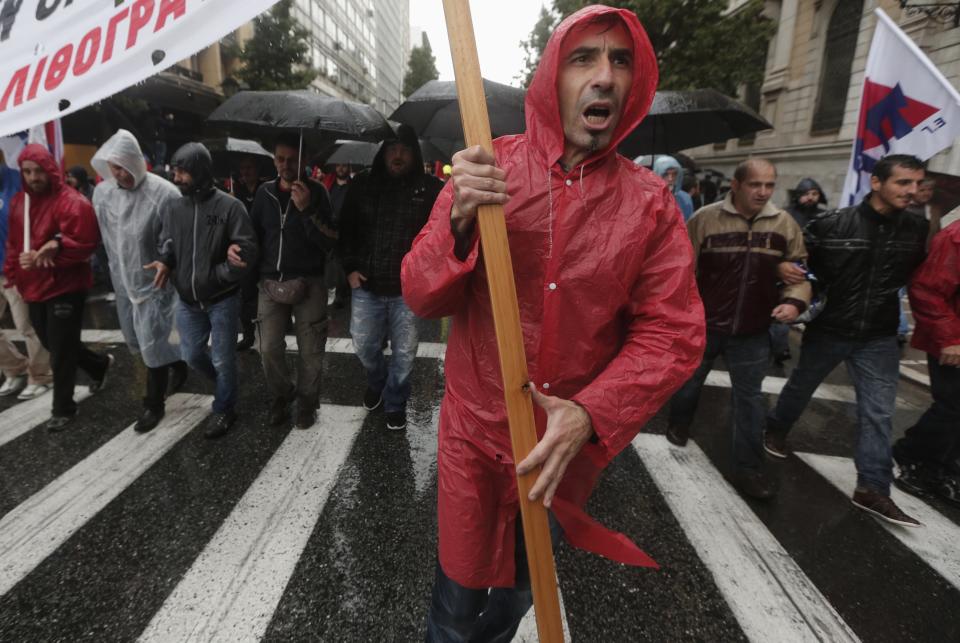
{"type": "Point", "coordinates": [129, 224]}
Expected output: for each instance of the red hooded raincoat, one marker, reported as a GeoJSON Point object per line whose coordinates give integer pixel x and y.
{"type": "Point", "coordinates": [935, 294]}
{"type": "Point", "coordinates": [610, 313]}
{"type": "Point", "coordinates": [63, 211]}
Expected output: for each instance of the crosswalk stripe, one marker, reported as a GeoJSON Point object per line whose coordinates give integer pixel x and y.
{"type": "Point", "coordinates": [527, 631]}
{"type": "Point", "coordinates": [767, 591]}
{"type": "Point", "coordinates": [38, 526]}
{"type": "Point", "coordinates": [23, 416]}
{"type": "Point", "coordinates": [937, 543]}
{"type": "Point", "coordinates": [829, 392]}
{"type": "Point", "coordinates": [234, 586]}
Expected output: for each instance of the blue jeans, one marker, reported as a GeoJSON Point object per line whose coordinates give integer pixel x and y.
{"type": "Point", "coordinates": [874, 367]}
{"type": "Point", "coordinates": [218, 362]}
{"type": "Point", "coordinates": [904, 327]}
{"type": "Point", "coordinates": [935, 439]}
{"type": "Point", "coordinates": [460, 614]}
{"type": "Point", "coordinates": [746, 359]}
{"type": "Point", "coordinates": [373, 319]}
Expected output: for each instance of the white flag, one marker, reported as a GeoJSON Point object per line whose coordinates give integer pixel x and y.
{"type": "Point", "coordinates": [908, 107]}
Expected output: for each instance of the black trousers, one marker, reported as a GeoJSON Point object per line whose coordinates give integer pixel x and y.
{"type": "Point", "coordinates": [57, 323]}
{"type": "Point", "coordinates": [157, 381]}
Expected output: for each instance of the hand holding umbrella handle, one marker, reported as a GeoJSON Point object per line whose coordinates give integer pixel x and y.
{"type": "Point", "coordinates": [506, 318]}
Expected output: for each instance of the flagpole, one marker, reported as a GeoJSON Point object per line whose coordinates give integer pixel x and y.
{"type": "Point", "coordinates": [26, 221]}
{"type": "Point", "coordinates": [506, 320]}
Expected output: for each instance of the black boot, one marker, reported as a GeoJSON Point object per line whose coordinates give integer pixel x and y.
{"type": "Point", "coordinates": [249, 337]}
{"type": "Point", "coordinates": [149, 419]}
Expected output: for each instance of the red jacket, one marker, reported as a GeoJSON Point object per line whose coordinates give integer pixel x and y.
{"type": "Point", "coordinates": [935, 294]}
{"type": "Point", "coordinates": [60, 210]}
{"type": "Point", "coordinates": [610, 314]}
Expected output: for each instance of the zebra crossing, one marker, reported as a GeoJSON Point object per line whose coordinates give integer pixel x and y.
{"type": "Point", "coordinates": [297, 551]}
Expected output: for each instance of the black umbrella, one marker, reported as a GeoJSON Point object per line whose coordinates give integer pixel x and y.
{"type": "Point", "coordinates": [434, 113]}
{"type": "Point", "coordinates": [318, 119]}
{"type": "Point", "coordinates": [228, 151]}
{"type": "Point", "coordinates": [353, 153]}
{"type": "Point", "coordinates": [679, 120]}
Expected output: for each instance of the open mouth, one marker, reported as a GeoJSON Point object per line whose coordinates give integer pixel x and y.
{"type": "Point", "coordinates": [597, 116]}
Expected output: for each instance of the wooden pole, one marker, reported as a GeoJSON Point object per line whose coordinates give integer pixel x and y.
{"type": "Point", "coordinates": [506, 319]}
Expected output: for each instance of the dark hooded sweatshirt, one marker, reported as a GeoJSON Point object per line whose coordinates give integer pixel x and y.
{"type": "Point", "coordinates": [63, 213]}
{"type": "Point", "coordinates": [802, 214]}
{"type": "Point", "coordinates": [196, 231]}
{"type": "Point", "coordinates": [382, 215]}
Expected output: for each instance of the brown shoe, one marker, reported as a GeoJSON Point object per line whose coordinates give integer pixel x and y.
{"type": "Point", "coordinates": [775, 444]}
{"type": "Point", "coordinates": [678, 434]}
{"type": "Point", "coordinates": [883, 508]}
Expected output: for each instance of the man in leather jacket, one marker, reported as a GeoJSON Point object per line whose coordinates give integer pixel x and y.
{"type": "Point", "coordinates": [196, 231]}
{"type": "Point", "coordinates": [862, 255]}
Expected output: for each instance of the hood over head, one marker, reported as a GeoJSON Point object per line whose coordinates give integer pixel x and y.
{"type": "Point", "coordinates": [663, 163]}
{"type": "Point", "coordinates": [195, 159]}
{"type": "Point", "coordinates": [408, 136]}
{"type": "Point", "coordinates": [80, 174]}
{"type": "Point", "coordinates": [40, 155]}
{"type": "Point", "coordinates": [544, 128]}
{"type": "Point", "coordinates": [121, 149]}
{"type": "Point", "coordinates": [804, 186]}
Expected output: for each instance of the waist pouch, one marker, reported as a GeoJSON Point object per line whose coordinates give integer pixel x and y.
{"type": "Point", "coordinates": [290, 292]}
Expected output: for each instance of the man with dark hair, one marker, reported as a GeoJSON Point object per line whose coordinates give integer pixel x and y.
{"type": "Point", "coordinates": [291, 216]}
{"type": "Point", "coordinates": [862, 255]}
{"type": "Point", "coordinates": [739, 244]}
{"type": "Point", "coordinates": [806, 201]}
{"type": "Point", "coordinates": [196, 232]}
{"type": "Point", "coordinates": [384, 209]}
{"type": "Point", "coordinates": [53, 275]}
{"type": "Point", "coordinates": [607, 300]}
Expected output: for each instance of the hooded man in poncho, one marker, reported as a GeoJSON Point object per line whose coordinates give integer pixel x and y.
{"type": "Point", "coordinates": [127, 203]}
{"type": "Point", "coordinates": [611, 318]}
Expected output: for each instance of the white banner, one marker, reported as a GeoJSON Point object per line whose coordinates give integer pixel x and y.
{"type": "Point", "coordinates": [908, 107]}
{"type": "Point", "coordinates": [58, 56]}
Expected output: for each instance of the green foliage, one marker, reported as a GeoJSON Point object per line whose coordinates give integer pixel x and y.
{"type": "Point", "coordinates": [277, 57]}
{"type": "Point", "coordinates": [536, 43]}
{"type": "Point", "coordinates": [697, 45]}
{"type": "Point", "coordinates": [421, 68]}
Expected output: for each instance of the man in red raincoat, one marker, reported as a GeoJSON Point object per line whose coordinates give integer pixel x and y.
{"type": "Point", "coordinates": [54, 274]}
{"type": "Point", "coordinates": [929, 454]}
{"type": "Point", "coordinates": [611, 318]}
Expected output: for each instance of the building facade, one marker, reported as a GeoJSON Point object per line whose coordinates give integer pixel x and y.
{"type": "Point", "coordinates": [359, 47]}
{"type": "Point", "coordinates": [812, 86]}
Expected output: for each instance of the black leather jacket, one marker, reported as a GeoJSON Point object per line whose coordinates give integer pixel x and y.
{"type": "Point", "coordinates": [863, 259]}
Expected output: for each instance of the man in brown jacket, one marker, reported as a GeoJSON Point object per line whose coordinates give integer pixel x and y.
{"type": "Point", "coordinates": [744, 245]}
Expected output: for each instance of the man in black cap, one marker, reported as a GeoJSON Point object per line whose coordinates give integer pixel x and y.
{"type": "Point", "coordinates": [196, 232]}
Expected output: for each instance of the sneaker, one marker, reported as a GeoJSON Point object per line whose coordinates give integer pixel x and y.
{"type": "Point", "coordinates": [397, 420]}
{"type": "Point", "coordinates": [219, 424]}
{"type": "Point", "coordinates": [948, 488]}
{"type": "Point", "coordinates": [678, 434]}
{"type": "Point", "coordinates": [97, 385]}
{"type": "Point", "coordinates": [883, 508]}
{"type": "Point", "coordinates": [33, 391]}
{"type": "Point", "coordinates": [280, 410]}
{"type": "Point", "coordinates": [781, 357]}
{"type": "Point", "coordinates": [58, 423]}
{"type": "Point", "coordinates": [306, 414]}
{"type": "Point", "coordinates": [915, 479]}
{"type": "Point", "coordinates": [372, 399]}
{"type": "Point", "coordinates": [755, 484]}
{"type": "Point", "coordinates": [775, 444]}
{"type": "Point", "coordinates": [13, 385]}
{"type": "Point", "coordinates": [148, 420]}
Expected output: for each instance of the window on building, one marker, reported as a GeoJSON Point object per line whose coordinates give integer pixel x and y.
{"type": "Point", "coordinates": [838, 53]}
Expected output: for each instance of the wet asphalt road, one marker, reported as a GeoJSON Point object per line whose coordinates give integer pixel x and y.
{"type": "Point", "coordinates": [365, 569]}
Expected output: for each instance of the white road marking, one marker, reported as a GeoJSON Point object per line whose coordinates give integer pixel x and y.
{"type": "Point", "coordinates": [774, 385]}
{"type": "Point", "coordinates": [527, 632]}
{"type": "Point", "coordinates": [234, 586]}
{"type": "Point", "coordinates": [937, 543]}
{"type": "Point", "coordinates": [771, 597]}
{"type": "Point", "coordinates": [39, 525]}
{"type": "Point", "coordinates": [23, 416]}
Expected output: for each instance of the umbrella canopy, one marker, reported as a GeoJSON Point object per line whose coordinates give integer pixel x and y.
{"type": "Point", "coordinates": [353, 153]}
{"type": "Point", "coordinates": [319, 119]}
{"type": "Point", "coordinates": [227, 152]}
{"type": "Point", "coordinates": [434, 113]}
{"type": "Point", "coordinates": [679, 120]}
